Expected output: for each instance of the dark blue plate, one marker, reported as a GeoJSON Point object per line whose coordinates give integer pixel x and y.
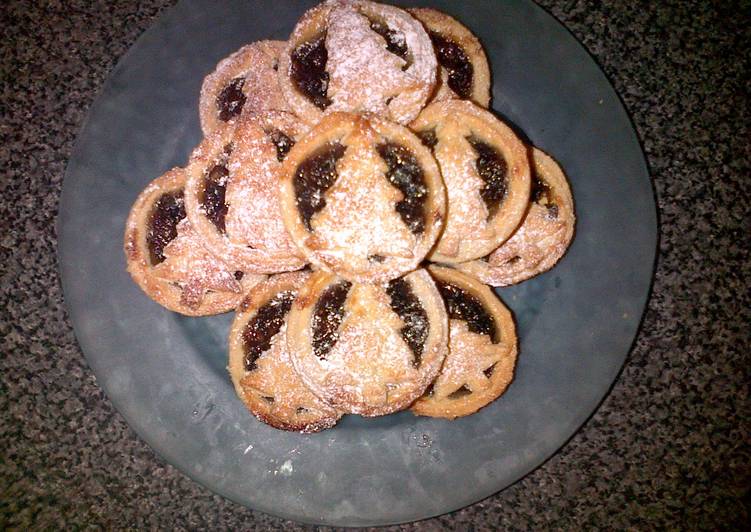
{"type": "Point", "coordinates": [166, 373]}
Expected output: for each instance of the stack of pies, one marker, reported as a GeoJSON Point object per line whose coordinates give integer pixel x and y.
{"type": "Point", "coordinates": [335, 167]}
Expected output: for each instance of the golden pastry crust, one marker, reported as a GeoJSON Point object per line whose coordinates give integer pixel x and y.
{"type": "Point", "coordinates": [246, 80]}
{"type": "Point", "coordinates": [442, 27]}
{"type": "Point", "coordinates": [183, 276]}
{"type": "Point", "coordinates": [359, 352]}
{"type": "Point", "coordinates": [486, 171]}
{"type": "Point", "coordinates": [479, 366]}
{"type": "Point", "coordinates": [363, 225]}
{"type": "Point", "coordinates": [261, 142]}
{"type": "Point", "coordinates": [544, 235]}
{"type": "Point", "coordinates": [218, 195]}
{"type": "Point", "coordinates": [271, 389]}
{"type": "Point", "coordinates": [364, 72]}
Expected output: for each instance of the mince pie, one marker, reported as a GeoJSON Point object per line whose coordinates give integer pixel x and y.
{"type": "Point", "coordinates": [480, 361]}
{"type": "Point", "coordinates": [464, 72]}
{"type": "Point", "coordinates": [260, 365]}
{"type": "Point", "coordinates": [543, 236]}
{"type": "Point", "coordinates": [358, 56]}
{"type": "Point", "coordinates": [220, 193]}
{"type": "Point", "coordinates": [362, 197]}
{"type": "Point", "coordinates": [368, 349]}
{"type": "Point", "coordinates": [486, 172]}
{"type": "Point", "coordinates": [167, 260]}
{"type": "Point", "coordinates": [246, 80]}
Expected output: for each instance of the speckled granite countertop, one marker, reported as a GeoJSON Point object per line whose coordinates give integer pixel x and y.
{"type": "Point", "coordinates": [669, 447]}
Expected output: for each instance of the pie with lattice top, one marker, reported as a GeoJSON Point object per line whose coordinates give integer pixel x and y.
{"type": "Point", "coordinates": [362, 197]}
{"type": "Point", "coordinates": [481, 356]}
{"type": "Point", "coordinates": [166, 259]}
{"type": "Point", "coordinates": [260, 365]}
{"type": "Point", "coordinates": [544, 235]}
{"type": "Point", "coordinates": [368, 349]}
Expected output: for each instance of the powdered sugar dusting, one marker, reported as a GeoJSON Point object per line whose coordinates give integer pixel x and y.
{"type": "Point", "coordinates": [469, 355]}
{"type": "Point", "coordinates": [541, 239]}
{"type": "Point", "coordinates": [196, 270]}
{"type": "Point", "coordinates": [370, 366]}
{"type": "Point", "coordinates": [275, 377]}
{"type": "Point", "coordinates": [539, 236]}
{"type": "Point", "coordinates": [255, 63]}
{"type": "Point", "coordinates": [364, 75]}
{"type": "Point", "coordinates": [254, 216]}
{"type": "Point", "coordinates": [360, 219]}
{"type": "Point", "coordinates": [261, 80]}
{"type": "Point", "coordinates": [467, 212]}
{"type": "Point", "coordinates": [273, 252]}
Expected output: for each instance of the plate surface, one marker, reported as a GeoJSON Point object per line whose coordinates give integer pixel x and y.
{"type": "Point", "coordinates": [166, 373]}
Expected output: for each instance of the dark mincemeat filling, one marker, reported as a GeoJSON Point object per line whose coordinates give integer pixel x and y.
{"type": "Point", "coordinates": [231, 100]}
{"type": "Point", "coordinates": [282, 142]}
{"type": "Point", "coordinates": [452, 57]}
{"type": "Point", "coordinates": [462, 305]}
{"type": "Point", "coordinates": [492, 168]}
{"type": "Point", "coordinates": [308, 71]}
{"type": "Point", "coordinates": [327, 317]}
{"type": "Point", "coordinates": [166, 213]}
{"type": "Point", "coordinates": [406, 174]}
{"type": "Point", "coordinates": [314, 177]}
{"type": "Point", "coordinates": [264, 326]}
{"type": "Point", "coordinates": [542, 195]}
{"type": "Point", "coordinates": [212, 196]}
{"type": "Point", "coordinates": [394, 44]}
{"type": "Point", "coordinates": [428, 138]}
{"type": "Point", "coordinates": [213, 189]}
{"type": "Point", "coordinates": [405, 304]}
{"type": "Point", "coordinates": [461, 392]}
